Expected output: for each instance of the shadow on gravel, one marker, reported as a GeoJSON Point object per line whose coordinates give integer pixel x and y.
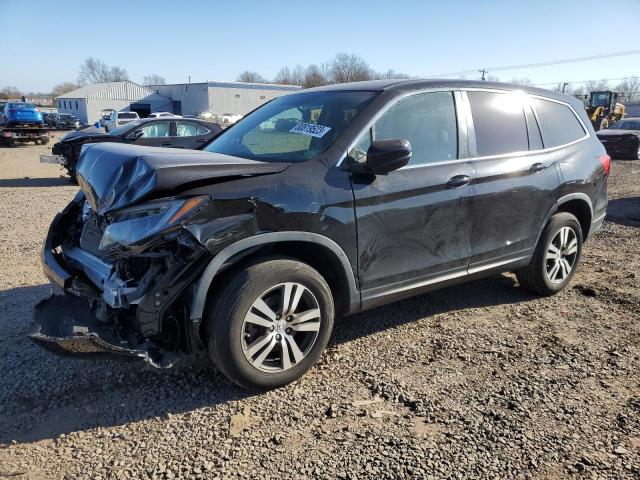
{"type": "Point", "coordinates": [624, 211]}
{"type": "Point", "coordinates": [496, 290]}
{"type": "Point", "coordinates": [44, 396]}
{"type": "Point", "coordinates": [35, 182]}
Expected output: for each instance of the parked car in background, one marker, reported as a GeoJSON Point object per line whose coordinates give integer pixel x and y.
{"type": "Point", "coordinates": [159, 132]}
{"type": "Point", "coordinates": [230, 118]}
{"type": "Point", "coordinates": [117, 119]}
{"type": "Point", "coordinates": [104, 115]}
{"type": "Point", "coordinates": [381, 190]}
{"type": "Point", "coordinates": [622, 139]}
{"type": "Point", "coordinates": [163, 114]}
{"type": "Point", "coordinates": [21, 113]}
{"type": "Point", "coordinates": [63, 121]}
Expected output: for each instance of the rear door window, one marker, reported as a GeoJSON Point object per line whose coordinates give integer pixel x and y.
{"type": "Point", "coordinates": [155, 129]}
{"type": "Point", "coordinates": [499, 123]}
{"type": "Point", "coordinates": [558, 123]}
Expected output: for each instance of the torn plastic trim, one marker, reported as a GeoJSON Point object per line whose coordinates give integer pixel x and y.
{"type": "Point", "coordinates": [65, 325]}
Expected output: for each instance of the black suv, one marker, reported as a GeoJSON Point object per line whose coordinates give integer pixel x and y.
{"type": "Point", "coordinates": [373, 192]}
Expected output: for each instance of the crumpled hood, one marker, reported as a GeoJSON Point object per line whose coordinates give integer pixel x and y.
{"type": "Point", "coordinates": [114, 175]}
{"type": "Point", "coordinates": [83, 134]}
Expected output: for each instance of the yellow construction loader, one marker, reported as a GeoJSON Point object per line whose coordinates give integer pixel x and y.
{"type": "Point", "coordinates": [604, 109]}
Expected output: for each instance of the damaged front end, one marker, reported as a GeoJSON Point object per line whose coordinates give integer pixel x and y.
{"type": "Point", "coordinates": [129, 249]}
{"type": "Point", "coordinates": [123, 278]}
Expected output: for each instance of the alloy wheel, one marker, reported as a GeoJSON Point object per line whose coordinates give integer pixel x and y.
{"type": "Point", "coordinates": [281, 327]}
{"type": "Point", "coordinates": [561, 255]}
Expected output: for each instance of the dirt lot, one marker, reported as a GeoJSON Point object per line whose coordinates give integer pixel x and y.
{"type": "Point", "coordinates": [474, 381]}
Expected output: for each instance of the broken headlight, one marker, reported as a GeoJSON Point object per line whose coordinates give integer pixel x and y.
{"type": "Point", "coordinates": [134, 224]}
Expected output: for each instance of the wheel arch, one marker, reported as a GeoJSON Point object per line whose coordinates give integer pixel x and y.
{"type": "Point", "coordinates": [308, 247]}
{"type": "Point", "coordinates": [579, 205]}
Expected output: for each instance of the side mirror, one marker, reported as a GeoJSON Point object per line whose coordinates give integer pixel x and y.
{"type": "Point", "coordinates": [384, 156]}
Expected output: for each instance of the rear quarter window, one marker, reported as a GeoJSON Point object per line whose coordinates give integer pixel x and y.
{"type": "Point", "coordinates": [558, 123]}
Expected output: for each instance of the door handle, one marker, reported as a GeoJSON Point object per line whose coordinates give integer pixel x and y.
{"type": "Point", "coordinates": [458, 181]}
{"type": "Point", "coordinates": [536, 167]}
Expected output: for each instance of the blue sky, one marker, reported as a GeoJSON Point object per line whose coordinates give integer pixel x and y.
{"type": "Point", "coordinates": [44, 43]}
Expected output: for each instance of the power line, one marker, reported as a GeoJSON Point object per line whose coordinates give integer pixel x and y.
{"type": "Point", "coordinates": [547, 63]}
{"type": "Point", "coordinates": [582, 81]}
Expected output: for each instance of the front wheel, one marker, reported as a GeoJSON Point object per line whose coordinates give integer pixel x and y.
{"type": "Point", "coordinates": [270, 322]}
{"type": "Point", "coordinates": [556, 257]}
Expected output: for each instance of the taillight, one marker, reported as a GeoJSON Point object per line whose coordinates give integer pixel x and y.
{"type": "Point", "coordinates": [605, 160]}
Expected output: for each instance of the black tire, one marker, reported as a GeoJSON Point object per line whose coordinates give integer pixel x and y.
{"type": "Point", "coordinates": [604, 124]}
{"type": "Point", "coordinates": [534, 277]}
{"type": "Point", "coordinates": [225, 328]}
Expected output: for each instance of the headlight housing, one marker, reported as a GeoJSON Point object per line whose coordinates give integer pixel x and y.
{"type": "Point", "coordinates": [135, 224]}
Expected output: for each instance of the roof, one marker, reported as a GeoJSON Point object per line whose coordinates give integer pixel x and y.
{"type": "Point", "coordinates": [414, 84]}
{"type": "Point", "coordinates": [242, 85]}
{"type": "Point", "coordinates": [126, 90]}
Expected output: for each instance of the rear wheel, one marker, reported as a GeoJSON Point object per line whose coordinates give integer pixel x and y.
{"type": "Point", "coordinates": [604, 123]}
{"type": "Point", "coordinates": [556, 257]}
{"type": "Point", "coordinates": [270, 323]}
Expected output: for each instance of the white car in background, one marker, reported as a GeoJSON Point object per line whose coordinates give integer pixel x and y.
{"type": "Point", "coordinates": [117, 119]}
{"type": "Point", "coordinates": [230, 117]}
{"type": "Point", "coordinates": [163, 115]}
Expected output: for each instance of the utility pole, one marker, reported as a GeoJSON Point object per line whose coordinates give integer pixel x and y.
{"type": "Point", "coordinates": [564, 85]}
{"type": "Point", "coordinates": [484, 73]}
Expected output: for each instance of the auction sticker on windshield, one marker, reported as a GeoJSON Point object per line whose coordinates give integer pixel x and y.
{"type": "Point", "coordinates": [310, 129]}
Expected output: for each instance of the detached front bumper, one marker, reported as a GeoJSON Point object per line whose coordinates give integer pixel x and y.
{"type": "Point", "coordinates": [84, 321]}
{"type": "Point", "coordinates": [65, 325]}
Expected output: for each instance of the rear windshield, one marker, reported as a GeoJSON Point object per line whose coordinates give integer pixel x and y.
{"type": "Point", "coordinates": [293, 128]}
{"type": "Point", "coordinates": [127, 115]}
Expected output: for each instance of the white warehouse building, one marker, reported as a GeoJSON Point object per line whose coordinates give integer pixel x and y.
{"type": "Point", "coordinates": [220, 97]}
{"type": "Point", "coordinates": [87, 102]}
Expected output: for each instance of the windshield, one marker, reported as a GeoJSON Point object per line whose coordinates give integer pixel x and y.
{"type": "Point", "coordinates": [600, 99]}
{"type": "Point", "coordinates": [124, 128]}
{"type": "Point", "coordinates": [127, 115]}
{"type": "Point", "coordinates": [626, 125]}
{"type": "Point", "coordinates": [292, 128]}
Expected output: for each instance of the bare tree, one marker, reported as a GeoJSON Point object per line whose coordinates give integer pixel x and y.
{"type": "Point", "coordinates": [297, 75]}
{"type": "Point", "coordinates": [283, 77]}
{"type": "Point", "coordinates": [63, 88]}
{"type": "Point", "coordinates": [595, 85]}
{"type": "Point", "coordinates": [287, 76]}
{"type": "Point", "coordinates": [629, 89]}
{"type": "Point", "coordinates": [10, 92]}
{"type": "Point", "coordinates": [313, 77]}
{"type": "Point", "coordinates": [390, 75]}
{"type": "Point", "coordinates": [521, 81]}
{"type": "Point", "coordinates": [346, 68]}
{"type": "Point", "coordinates": [251, 77]}
{"type": "Point", "coordinates": [153, 79]}
{"type": "Point", "coordinates": [117, 74]}
{"type": "Point", "coordinates": [96, 71]}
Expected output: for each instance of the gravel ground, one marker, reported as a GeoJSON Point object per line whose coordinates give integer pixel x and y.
{"type": "Point", "coordinates": [475, 381]}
